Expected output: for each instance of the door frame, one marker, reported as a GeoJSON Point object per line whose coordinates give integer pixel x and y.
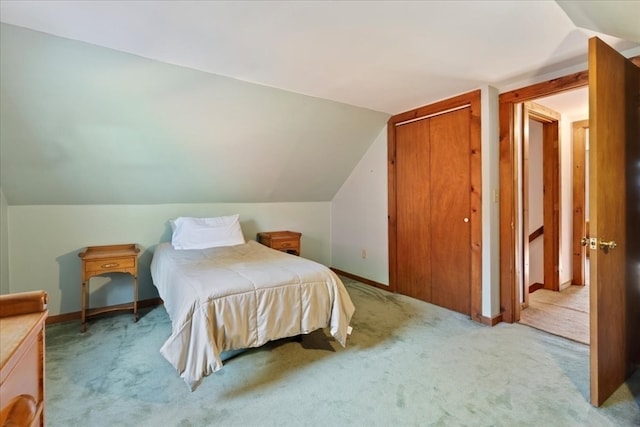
{"type": "Point", "coordinates": [580, 229]}
{"type": "Point", "coordinates": [551, 198]}
{"type": "Point", "coordinates": [509, 298]}
{"type": "Point", "coordinates": [469, 100]}
{"type": "Point", "coordinates": [509, 268]}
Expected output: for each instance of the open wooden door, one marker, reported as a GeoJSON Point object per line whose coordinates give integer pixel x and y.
{"type": "Point", "coordinates": [613, 117]}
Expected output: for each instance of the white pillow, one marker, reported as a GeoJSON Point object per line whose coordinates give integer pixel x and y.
{"type": "Point", "coordinates": [202, 233]}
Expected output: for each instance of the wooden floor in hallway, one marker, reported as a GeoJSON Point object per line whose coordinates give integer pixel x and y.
{"type": "Point", "coordinates": [564, 313]}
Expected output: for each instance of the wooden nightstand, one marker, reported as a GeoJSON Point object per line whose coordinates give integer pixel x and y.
{"type": "Point", "coordinates": [98, 260]}
{"type": "Point", "coordinates": [285, 241]}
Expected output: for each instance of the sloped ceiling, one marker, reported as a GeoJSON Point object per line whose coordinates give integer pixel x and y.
{"type": "Point", "coordinates": [83, 124]}
{"type": "Point", "coordinates": [616, 18]}
{"type": "Point", "coordinates": [194, 101]}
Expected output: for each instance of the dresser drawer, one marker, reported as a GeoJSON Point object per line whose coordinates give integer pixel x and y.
{"type": "Point", "coordinates": [110, 264]}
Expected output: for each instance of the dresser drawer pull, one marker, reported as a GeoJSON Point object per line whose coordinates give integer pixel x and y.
{"type": "Point", "coordinates": [286, 244]}
{"type": "Point", "coordinates": [113, 264]}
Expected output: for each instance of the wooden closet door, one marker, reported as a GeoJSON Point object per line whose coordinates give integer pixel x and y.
{"type": "Point", "coordinates": [450, 211]}
{"type": "Point", "coordinates": [413, 201]}
{"type": "Point", "coordinates": [435, 200]}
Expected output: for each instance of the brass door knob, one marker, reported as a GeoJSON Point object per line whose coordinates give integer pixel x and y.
{"type": "Point", "coordinates": [606, 246]}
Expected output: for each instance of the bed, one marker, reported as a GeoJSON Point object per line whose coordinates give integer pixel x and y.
{"type": "Point", "coordinates": [242, 296]}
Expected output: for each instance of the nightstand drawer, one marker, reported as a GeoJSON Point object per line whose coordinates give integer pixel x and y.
{"type": "Point", "coordinates": [284, 244]}
{"type": "Point", "coordinates": [110, 264]}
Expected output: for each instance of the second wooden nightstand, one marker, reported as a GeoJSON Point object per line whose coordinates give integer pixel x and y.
{"type": "Point", "coordinates": [97, 260]}
{"type": "Point", "coordinates": [285, 241]}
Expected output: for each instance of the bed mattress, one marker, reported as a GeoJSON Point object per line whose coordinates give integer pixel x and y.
{"type": "Point", "coordinates": [242, 296]}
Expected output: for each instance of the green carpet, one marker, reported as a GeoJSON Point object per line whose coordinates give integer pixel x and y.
{"type": "Point", "coordinates": [407, 363]}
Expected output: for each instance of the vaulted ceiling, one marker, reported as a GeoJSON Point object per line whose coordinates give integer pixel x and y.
{"type": "Point", "coordinates": [197, 101]}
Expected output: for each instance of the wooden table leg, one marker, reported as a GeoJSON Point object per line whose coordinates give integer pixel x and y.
{"type": "Point", "coordinates": [83, 315]}
{"type": "Point", "coordinates": [135, 298]}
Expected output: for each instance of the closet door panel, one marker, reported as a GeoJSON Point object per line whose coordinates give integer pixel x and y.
{"type": "Point", "coordinates": [414, 203]}
{"type": "Point", "coordinates": [450, 210]}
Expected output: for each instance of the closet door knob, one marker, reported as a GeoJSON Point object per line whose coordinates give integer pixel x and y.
{"type": "Point", "coordinates": [466, 219]}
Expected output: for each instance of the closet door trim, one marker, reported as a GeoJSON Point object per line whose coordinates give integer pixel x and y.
{"type": "Point", "coordinates": [439, 113]}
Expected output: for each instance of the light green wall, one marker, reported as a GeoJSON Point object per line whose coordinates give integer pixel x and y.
{"type": "Point", "coordinates": [4, 245]}
{"type": "Point", "coordinates": [45, 241]}
{"type": "Point", "coordinates": [83, 124]}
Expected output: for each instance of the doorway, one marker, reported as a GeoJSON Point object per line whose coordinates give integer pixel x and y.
{"type": "Point", "coordinates": [510, 267]}
{"type": "Point", "coordinates": [549, 297]}
{"type": "Point", "coordinates": [613, 152]}
{"type": "Point", "coordinates": [540, 200]}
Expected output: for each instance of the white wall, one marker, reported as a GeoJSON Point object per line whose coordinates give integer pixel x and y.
{"type": "Point", "coordinates": [535, 203]}
{"type": "Point", "coordinates": [536, 193]}
{"type": "Point", "coordinates": [490, 151]}
{"type": "Point", "coordinates": [4, 245]}
{"type": "Point", "coordinates": [45, 241]}
{"type": "Point", "coordinates": [359, 212]}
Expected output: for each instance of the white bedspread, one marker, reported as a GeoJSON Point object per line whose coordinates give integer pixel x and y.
{"type": "Point", "coordinates": [242, 296]}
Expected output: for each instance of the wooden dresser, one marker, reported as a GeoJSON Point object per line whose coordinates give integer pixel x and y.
{"type": "Point", "coordinates": [22, 319]}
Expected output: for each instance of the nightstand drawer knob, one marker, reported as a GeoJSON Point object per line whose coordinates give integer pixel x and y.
{"type": "Point", "coordinates": [112, 265]}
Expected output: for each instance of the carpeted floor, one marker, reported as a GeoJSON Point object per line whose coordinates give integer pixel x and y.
{"type": "Point", "coordinates": [564, 313]}
{"type": "Point", "coordinates": [407, 363]}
